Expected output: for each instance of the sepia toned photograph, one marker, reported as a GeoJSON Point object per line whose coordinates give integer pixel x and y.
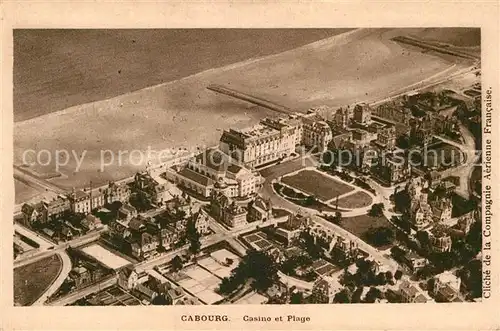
{"type": "Point", "coordinates": [247, 166]}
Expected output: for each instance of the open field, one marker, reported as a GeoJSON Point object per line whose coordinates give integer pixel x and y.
{"type": "Point", "coordinates": [32, 280]}
{"type": "Point", "coordinates": [363, 65]}
{"type": "Point", "coordinates": [314, 183]}
{"type": "Point", "coordinates": [356, 200]}
{"type": "Point", "coordinates": [439, 155]}
{"type": "Point", "coordinates": [359, 225]}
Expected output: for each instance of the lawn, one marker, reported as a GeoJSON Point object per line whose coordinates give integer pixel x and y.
{"type": "Point", "coordinates": [32, 280]}
{"type": "Point", "coordinates": [440, 155]}
{"type": "Point", "coordinates": [312, 182]}
{"type": "Point", "coordinates": [356, 200]}
{"type": "Point", "coordinates": [359, 225]}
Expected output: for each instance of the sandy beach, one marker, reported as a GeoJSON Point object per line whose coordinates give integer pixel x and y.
{"type": "Point", "coordinates": [361, 65]}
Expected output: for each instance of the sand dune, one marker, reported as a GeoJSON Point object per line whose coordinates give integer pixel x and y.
{"type": "Point", "coordinates": [362, 65]}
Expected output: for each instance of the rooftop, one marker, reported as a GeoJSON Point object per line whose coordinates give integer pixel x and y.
{"type": "Point", "coordinates": [196, 177]}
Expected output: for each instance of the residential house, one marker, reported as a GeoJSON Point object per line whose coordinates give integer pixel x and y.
{"type": "Point", "coordinates": [85, 273]}
{"type": "Point", "coordinates": [80, 202]}
{"type": "Point", "coordinates": [117, 192]}
{"type": "Point", "coordinates": [80, 276]}
{"type": "Point", "coordinates": [127, 212]}
{"type": "Point", "coordinates": [145, 293]}
{"type": "Point", "coordinates": [155, 189]}
{"type": "Point", "coordinates": [395, 111]}
{"type": "Point", "coordinates": [201, 222]}
{"type": "Point", "coordinates": [259, 210]}
{"type": "Point", "coordinates": [56, 207]}
{"type": "Point", "coordinates": [188, 301]}
{"type": "Point", "coordinates": [392, 167]}
{"type": "Point", "coordinates": [341, 118]}
{"type": "Point", "coordinates": [386, 138]}
{"type": "Point", "coordinates": [409, 292]}
{"type": "Point", "coordinates": [324, 289]}
{"type": "Point", "coordinates": [446, 287]}
{"type": "Point", "coordinates": [49, 233]}
{"type": "Point", "coordinates": [348, 248]}
{"type": "Point", "coordinates": [291, 229]}
{"type": "Point", "coordinates": [414, 261]}
{"type": "Point", "coordinates": [127, 278]}
{"type": "Point", "coordinates": [420, 212]}
{"type": "Point", "coordinates": [34, 212]}
{"type": "Point", "coordinates": [465, 221]}
{"type": "Point", "coordinates": [91, 222]}
{"type": "Point", "coordinates": [176, 294]}
{"type": "Point", "coordinates": [316, 133]}
{"type": "Point", "coordinates": [169, 237]}
{"type": "Point", "coordinates": [45, 211]}
{"type": "Point", "coordinates": [441, 209]}
{"type": "Point", "coordinates": [362, 114]}
{"type": "Point", "coordinates": [440, 239]}
{"type": "Point", "coordinates": [66, 232]}
{"type": "Point", "coordinates": [145, 245]}
{"type": "Point", "coordinates": [422, 130]}
{"type": "Point", "coordinates": [227, 211]}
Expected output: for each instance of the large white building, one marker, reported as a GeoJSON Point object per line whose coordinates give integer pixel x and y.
{"type": "Point", "coordinates": [214, 170]}
{"type": "Point", "coordinates": [261, 144]}
{"type": "Point", "coordinates": [315, 132]}
{"type": "Point", "coordinates": [274, 139]}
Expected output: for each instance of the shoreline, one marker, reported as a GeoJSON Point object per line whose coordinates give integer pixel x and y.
{"type": "Point", "coordinates": [221, 69]}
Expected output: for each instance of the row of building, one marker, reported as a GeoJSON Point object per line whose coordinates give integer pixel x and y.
{"type": "Point", "coordinates": [81, 201]}
{"type": "Point", "coordinates": [435, 214]}
{"type": "Point", "coordinates": [142, 236]}
{"type": "Point", "coordinates": [226, 210]}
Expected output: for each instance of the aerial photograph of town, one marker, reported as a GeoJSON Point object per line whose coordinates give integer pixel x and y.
{"type": "Point", "coordinates": [247, 166]}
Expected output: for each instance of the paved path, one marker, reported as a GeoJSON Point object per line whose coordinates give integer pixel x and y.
{"type": "Point", "coordinates": [70, 298]}
{"type": "Point", "coordinates": [463, 171]}
{"type": "Point", "coordinates": [39, 254]}
{"type": "Point", "coordinates": [44, 243]}
{"type": "Point", "coordinates": [375, 253]}
{"type": "Point", "coordinates": [66, 268]}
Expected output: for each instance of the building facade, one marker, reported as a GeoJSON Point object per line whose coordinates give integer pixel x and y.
{"type": "Point", "coordinates": [225, 210]}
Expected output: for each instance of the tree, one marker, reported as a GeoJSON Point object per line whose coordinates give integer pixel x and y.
{"type": "Point", "coordinates": [310, 200]}
{"type": "Point", "coordinates": [228, 285]}
{"type": "Point", "coordinates": [376, 210]}
{"type": "Point", "coordinates": [193, 236]}
{"type": "Point", "coordinates": [310, 245]}
{"type": "Point", "coordinates": [338, 218]}
{"type": "Point", "coordinates": [297, 298]}
{"type": "Point", "coordinates": [260, 267]}
{"type": "Point", "coordinates": [343, 296]}
{"type": "Point", "coordinates": [140, 201]}
{"type": "Point", "coordinates": [380, 236]}
{"type": "Point", "coordinates": [381, 278]}
{"type": "Point", "coordinates": [356, 295]}
{"type": "Point", "coordinates": [161, 300]}
{"type": "Point", "coordinates": [398, 274]}
{"type": "Point", "coordinates": [393, 297]}
{"type": "Point", "coordinates": [372, 295]}
{"type": "Point", "coordinates": [402, 201]}
{"type": "Point", "coordinates": [388, 276]}
{"type": "Point", "coordinates": [176, 263]}
{"type": "Point", "coordinates": [471, 278]}
{"type": "Point", "coordinates": [474, 237]}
